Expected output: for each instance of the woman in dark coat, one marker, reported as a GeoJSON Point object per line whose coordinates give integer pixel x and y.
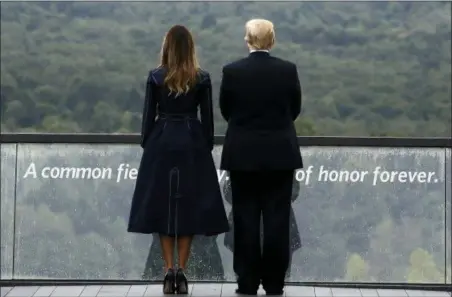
{"type": "Point", "coordinates": [295, 241]}
{"type": "Point", "coordinates": [177, 194]}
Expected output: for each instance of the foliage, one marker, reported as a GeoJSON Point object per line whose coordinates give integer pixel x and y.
{"type": "Point", "coordinates": [423, 268]}
{"type": "Point", "coordinates": [357, 269]}
{"type": "Point", "coordinates": [367, 68]}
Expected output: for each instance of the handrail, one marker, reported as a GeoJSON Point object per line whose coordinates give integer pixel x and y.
{"type": "Point", "coordinates": [336, 141]}
{"type": "Point", "coordinates": [438, 287]}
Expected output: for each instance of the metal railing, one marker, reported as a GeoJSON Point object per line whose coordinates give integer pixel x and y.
{"type": "Point", "coordinates": [100, 138]}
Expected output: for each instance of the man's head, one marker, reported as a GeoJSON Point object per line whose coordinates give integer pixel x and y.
{"type": "Point", "coordinates": [259, 34]}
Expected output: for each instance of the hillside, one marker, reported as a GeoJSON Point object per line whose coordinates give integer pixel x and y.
{"type": "Point", "coordinates": [380, 68]}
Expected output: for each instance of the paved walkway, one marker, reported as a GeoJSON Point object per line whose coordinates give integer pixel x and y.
{"type": "Point", "coordinates": [207, 290]}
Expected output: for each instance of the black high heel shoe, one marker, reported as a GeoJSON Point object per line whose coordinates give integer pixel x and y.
{"type": "Point", "coordinates": [169, 285]}
{"type": "Point", "coordinates": [181, 282]}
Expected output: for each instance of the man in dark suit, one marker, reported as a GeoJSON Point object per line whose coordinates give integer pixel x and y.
{"type": "Point", "coordinates": [260, 98]}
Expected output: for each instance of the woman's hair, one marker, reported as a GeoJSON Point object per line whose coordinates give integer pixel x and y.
{"type": "Point", "coordinates": [178, 56]}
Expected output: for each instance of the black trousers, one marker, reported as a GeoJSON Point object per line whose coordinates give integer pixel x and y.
{"type": "Point", "coordinates": [266, 194]}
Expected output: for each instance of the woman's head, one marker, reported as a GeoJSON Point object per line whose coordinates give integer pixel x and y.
{"type": "Point", "coordinates": [179, 58]}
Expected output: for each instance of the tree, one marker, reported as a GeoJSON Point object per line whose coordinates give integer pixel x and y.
{"type": "Point", "coordinates": [357, 269]}
{"type": "Point", "coordinates": [364, 69]}
{"type": "Point", "coordinates": [304, 127]}
{"type": "Point", "coordinates": [423, 268]}
{"type": "Point", "coordinates": [448, 274]}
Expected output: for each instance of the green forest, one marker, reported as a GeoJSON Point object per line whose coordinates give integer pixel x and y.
{"type": "Point", "coordinates": [367, 68]}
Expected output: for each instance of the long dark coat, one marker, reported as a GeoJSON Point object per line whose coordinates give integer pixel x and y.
{"type": "Point", "coordinates": [177, 191]}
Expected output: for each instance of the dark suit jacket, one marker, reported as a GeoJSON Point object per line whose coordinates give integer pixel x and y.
{"type": "Point", "coordinates": [260, 98]}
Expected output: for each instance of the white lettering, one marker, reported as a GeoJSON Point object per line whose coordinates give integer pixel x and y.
{"type": "Point", "coordinates": [430, 176]}
{"type": "Point", "coordinates": [31, 170]}
{"type": "Point", "coordinates": [341, 176]}
{"type": "Point", "coordinates": [133, 173]}
{"type": "Point", "coordinates": [221, 174]}
{"type": "Point", "coordinates": [304, 176]}
{"type": "Point", "coordinates": [402, 176]}
{"type": "Point", "coordinates": [76, 173]}
{"type": "Point", "coordinates": [125, 172]}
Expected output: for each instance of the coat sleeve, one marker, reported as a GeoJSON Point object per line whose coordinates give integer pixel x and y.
{"type": "Point", "coordinates": [206, 110]}
{"type": "Point", "coordinates": [296, 95]}
{"type": "Point", "coordinates": [149, 112]}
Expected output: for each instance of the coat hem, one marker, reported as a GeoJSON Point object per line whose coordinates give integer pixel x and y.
{"type": "Point", "coordinates": [151, 232]}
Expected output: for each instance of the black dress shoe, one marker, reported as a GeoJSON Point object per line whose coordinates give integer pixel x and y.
{"type": "Point", "coordinates": [274, 292]}
{"type": "Point", "coordinates": [169, 286]}
{"type": "Point", "coordinates": [245, 292]}
{"type": "Point", "coordinates": [181, 282]}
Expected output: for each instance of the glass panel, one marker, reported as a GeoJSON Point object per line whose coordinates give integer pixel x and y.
{"type": "Point", "coordinates": [76, 228]}
{"type": "Point", "coordinates": [371, 215]}
{"type": "Point", "coordinates": [7, 182]}
{"type": "Point", "coordinates": [374, 230]}
{"type": "Point", "coordinates": [364, 63]}
{"type": "Point", "coordinates": [448, 215]}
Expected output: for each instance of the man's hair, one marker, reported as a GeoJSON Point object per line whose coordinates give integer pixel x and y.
{"type": "Point", "coordinates": [260, 34]}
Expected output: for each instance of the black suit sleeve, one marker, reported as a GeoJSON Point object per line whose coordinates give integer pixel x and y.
{"type": "Point", "coordinates": [296, 96]}
{"type": "Point", "coordinates": [206, 110]}
{"type": "Point", "coordinates": [295, 187]}
{"type": "Point", "coordinates": [149, 112]}
{"type": "Point", "coordinates": [225, 95]}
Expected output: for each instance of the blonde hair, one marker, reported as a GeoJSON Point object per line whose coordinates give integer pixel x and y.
{"type": "Point", "coordinates": [178, 56]}
{"type": "Point", "coordinates": [260, 34]}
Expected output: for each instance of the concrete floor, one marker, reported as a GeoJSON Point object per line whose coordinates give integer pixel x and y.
{"type": "Point", "coordinates": [211, 290]}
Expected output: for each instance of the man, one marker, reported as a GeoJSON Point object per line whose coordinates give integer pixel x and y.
{"type": "Point", "coordinates": [295, 240]}
{"type": "Point", "coordinates": [260, 97]}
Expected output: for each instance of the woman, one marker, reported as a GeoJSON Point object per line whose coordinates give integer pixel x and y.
{"type": "Point", "coordinates": [177, 194]}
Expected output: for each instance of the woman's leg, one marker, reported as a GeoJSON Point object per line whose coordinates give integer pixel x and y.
{"type": "Point", "coordinates": [167, 244]}
{"type": "Point", "coordinates": [183, 250]}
